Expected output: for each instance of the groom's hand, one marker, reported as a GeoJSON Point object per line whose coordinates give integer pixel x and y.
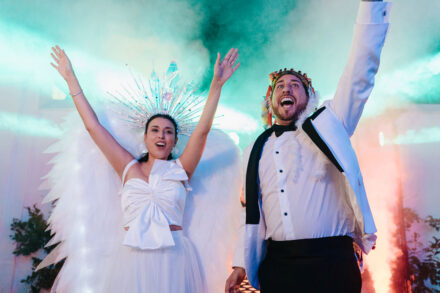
{"type": "Point", "coordinates": [234, 280]}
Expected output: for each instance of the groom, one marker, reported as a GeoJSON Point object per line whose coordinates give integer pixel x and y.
{"type": "Point", "coordinates": [305, 199]}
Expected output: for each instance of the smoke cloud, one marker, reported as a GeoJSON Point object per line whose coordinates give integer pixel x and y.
{"type": "Point", "coordinates": [313, 36]}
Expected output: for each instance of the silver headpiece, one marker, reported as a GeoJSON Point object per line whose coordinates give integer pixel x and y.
{"type": "Point", "coordinates": [136, 103]}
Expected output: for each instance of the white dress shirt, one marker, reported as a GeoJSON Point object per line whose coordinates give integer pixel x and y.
{"type": "Point", "coordinates": [303, 195]}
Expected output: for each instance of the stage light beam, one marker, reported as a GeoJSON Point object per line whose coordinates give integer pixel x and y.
{"type": "Point", "coordinates": [28, 125]}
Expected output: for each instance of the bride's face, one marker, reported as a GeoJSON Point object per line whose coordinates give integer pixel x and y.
{"type": "Point", "coordinates": [160, 138]}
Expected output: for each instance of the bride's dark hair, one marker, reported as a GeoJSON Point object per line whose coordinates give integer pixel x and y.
{"type": "Point", "coordinates": [144, 157]}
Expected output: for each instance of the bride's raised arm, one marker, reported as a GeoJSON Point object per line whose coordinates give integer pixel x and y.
{"type": "Point", "coordinates": [223, 70]}
{"type": "Point", "coordinates": [114, 152]}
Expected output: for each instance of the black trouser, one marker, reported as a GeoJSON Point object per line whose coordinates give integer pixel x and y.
{"type": "Point", "coordinates": [310, 265]}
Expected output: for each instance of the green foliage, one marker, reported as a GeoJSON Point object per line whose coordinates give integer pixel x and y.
{"type": "Point", "coordinates": [423, 261]}
{"type": "Point", "coordinates": [410, 217]}
{"type": "Point", "coordinates": [44, 278]}
{"type": "Point", "coordinates": [31, 236]}
{"type": "Point", "coordinates": [434, 223]}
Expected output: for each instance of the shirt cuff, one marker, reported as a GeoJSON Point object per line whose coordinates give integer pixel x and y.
{"type": "Point", "coordinates": [238, 260]}
{"type": "Point", "coordinates": [373, 12]}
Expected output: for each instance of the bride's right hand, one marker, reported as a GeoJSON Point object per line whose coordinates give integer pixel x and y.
{"type": "Point", "coordinates": [63, 65]}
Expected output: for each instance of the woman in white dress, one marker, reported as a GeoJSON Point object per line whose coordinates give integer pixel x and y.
{"type": "Point", "coordinates": [155, 256]}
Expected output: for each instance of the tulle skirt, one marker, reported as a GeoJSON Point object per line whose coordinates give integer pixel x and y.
{"type": "Point", "coordinates": [168, 270]}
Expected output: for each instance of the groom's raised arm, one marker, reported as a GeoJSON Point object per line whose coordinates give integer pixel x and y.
{"type": "Point", "coordinates": [357, 80]}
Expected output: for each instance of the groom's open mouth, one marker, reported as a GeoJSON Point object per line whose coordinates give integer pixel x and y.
{"type": "Point", "coordinates": [287, 102]}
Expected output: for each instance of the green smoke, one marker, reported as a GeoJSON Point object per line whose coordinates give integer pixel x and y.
{"type": "Point", "coordinates": [313, 36]}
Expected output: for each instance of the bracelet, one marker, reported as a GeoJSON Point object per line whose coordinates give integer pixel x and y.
{"type": "Point", "coordinates": [76, 93]}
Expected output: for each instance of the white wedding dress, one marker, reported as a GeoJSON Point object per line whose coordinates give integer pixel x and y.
{"type": "Point", "coordinates": [92, 207]}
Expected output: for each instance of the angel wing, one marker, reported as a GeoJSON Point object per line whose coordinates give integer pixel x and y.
{"type": "Point", "coordinates": [86, 217]}
{"type": "Point", "coordinates": [87, 220]}
{"type": "Point", "coordinates": [212, 211]}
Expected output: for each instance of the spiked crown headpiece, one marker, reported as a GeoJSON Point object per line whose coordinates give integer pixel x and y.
{"type": "Point", "coordinates": [135, 104]}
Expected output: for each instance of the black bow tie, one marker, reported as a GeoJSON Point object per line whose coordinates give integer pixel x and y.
{"type": "Point", "coordinates": [279, 129]}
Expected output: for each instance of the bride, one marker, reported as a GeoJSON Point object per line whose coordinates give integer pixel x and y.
{"type": "Point", "coordinates": [155, 254]}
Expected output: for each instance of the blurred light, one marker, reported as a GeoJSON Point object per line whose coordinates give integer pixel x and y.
{"type": "Point", "coordinates": [434, 64]}
{"type": "Point", "coordinates": [21, 56]}
{"type": "Point", "coordinates": [232, 120]}
{"type": "Point", "coordinates": [25, 54]}
{"type": "Point", "coordinates": [381, 139]}
{"type": "Point", "coordinates": [84, 251]}
{"type": "Point", "coordinates": [411, 80]}
{"type": "Point", "coordinates": [417, 82]}
{"type": "Point", "coordinates": [234, 136]}
{"type": "Point", "coordinates": [424, 135]}
{"type": "Point", "coordinates": [28, 125]}
{"type": "Point", "coordinates": [77, 167]}
{"type": "Point", "coordinates": [57, 94]}
{"type": "Point", "coordinates": [81, 229]}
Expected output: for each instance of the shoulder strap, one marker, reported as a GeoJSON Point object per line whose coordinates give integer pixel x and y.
{"type": "Point", "coordinates": [132, 162]}
{"type": "Point", "coordinates": [177, 161]}
{"type": "Point", "coordinates": [186, 182]}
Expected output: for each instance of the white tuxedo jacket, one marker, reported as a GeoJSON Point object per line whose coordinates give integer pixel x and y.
{"type": "Point", "coordinates": [333, 125]}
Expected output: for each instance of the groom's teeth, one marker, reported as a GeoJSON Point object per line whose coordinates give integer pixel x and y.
{"type": "Point", "coordinates": [287, 101]}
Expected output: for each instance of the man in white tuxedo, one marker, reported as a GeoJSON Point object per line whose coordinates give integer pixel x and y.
{"type": "Point", "coordinates": [305, 199]}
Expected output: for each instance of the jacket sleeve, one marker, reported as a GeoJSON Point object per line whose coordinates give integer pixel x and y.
{"type": "Point", "coordinates": [238, 260]}
{"type": "Point", "coordinates": [357, 80]}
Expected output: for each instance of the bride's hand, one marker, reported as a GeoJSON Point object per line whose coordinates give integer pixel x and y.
{"type": "Point", "coordinates": [62, 63]}
{"type": "Point", "coordinates": [224, 69]}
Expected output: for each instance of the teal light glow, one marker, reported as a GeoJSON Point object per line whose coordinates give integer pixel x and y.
{"type": "Point", "coordinates": [28, 125]}
{"type": "Point", "coordinates": [146, 34]}
{"type": "Point", "coordinates": [424, 135]}
{"type": "Point", "coordinates": [22, 55]}
{"type": "Point", "coordinates": [25, 62]}
{"type": "Point", "coordinates": [416, 83]}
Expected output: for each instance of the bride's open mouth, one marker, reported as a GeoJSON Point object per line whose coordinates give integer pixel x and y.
{"type": "Point", "coordinates": [160, 144]}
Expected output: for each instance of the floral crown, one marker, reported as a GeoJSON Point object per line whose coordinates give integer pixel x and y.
{"type": "Point", "coordinates": [307, 82]}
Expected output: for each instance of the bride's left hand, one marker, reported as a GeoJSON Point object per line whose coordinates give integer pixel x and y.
{"type": "Point", "coordinates": [224, 69]}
